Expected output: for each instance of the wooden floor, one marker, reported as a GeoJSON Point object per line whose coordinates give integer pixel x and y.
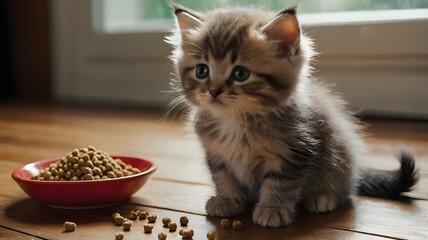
{"type": "Point", "coordinates": [181, 185]}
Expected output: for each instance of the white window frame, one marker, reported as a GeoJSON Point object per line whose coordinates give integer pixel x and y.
{"type": "Point", "coordinates": [380, 63]}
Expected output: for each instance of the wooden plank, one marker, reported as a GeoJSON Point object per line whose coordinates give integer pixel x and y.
{"type": "Point", "coordinates": [57, 139]}
{"type": "Point", "coordinates": [19, 212]}
{"type": "Point", "coordinates": [187, 170]}
{"type": "Point", "coordinates": [398, 219]}
{"type": "Point", "coordinates": [153, 139]}
{"type": "Point", "coordinates": [184, 171]}
{"type": "Point", "coordinates": [367, 215]}
{"type": "Point", "coordinates": [40, 220]}
{"type": "Point", "coordinates": [95, 224]}
{"type": "Point", "coordinates": [182, 184]}
{"type": "Point", "coordinates": [10, 234]}
{"type": "Point", "coordinates": [420, 191]}
{"type": "Point", "coordinates": [145, 136]}
{"type": "Point", "coordinates": [146, 140]}
{"type": "Point", "coordinates": [60, 131]}
{"type": "Point", "coordinates": [398, 130]}
{"type": "Point", "coordinates": [404, 219]}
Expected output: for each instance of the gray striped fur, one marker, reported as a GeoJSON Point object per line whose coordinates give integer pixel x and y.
{"type": "Point", "coordinates": [280, 139]}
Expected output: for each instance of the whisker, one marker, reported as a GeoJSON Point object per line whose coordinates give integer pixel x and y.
{"type": "Point", "coordinates": [182, 113]}
{"type": "Point", "coordinates": [173, 104]}
{"type": "Point", "coordinates": [180, 109]}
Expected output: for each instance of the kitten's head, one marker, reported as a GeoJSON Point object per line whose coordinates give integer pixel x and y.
{"type": "Point", "coordinates": [238, 61]}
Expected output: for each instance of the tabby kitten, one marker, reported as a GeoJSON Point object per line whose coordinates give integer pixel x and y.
{"type": "Point", "coordinates": [275, 138]}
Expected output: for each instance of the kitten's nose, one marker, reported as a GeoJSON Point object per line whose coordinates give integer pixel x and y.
{"type": "Point", "coordinates": [215, 92]}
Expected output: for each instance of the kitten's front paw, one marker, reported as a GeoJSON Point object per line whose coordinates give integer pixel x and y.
{"type": "Point", "coordinates": [320, 204]}
{"type": "Point", "coordinates": [219, 207]}
{"type": "Point", "coordinates": [272, 216]}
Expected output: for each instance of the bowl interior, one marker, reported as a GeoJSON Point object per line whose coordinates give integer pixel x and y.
{"type": "Point", "coordinates": [25, 172]}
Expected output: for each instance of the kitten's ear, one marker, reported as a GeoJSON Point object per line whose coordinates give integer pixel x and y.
{"type": "Point", "coordinates": [186, 18]}
{"type": "Point", "coordinates": [286, 29]}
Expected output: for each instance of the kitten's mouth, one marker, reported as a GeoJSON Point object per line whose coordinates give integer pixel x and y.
{"type": "Point", "coordinates": [217, 102]}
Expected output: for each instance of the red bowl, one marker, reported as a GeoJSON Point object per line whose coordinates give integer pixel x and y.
{"type": "Point", "coordinates": [82, 194]}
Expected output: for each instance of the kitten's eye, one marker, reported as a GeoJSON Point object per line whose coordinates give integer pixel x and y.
{"type": "Point", "coordinates": [202, 71]}
{"type": "Point", "coordinates": [240, 73]}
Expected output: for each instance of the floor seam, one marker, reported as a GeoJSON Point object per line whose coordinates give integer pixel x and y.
{"type": "Point", "coordinates": [29, 234]}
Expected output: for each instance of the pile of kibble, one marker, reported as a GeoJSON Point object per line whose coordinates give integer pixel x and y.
{"type": "Point", "coordinates": [86, 164]}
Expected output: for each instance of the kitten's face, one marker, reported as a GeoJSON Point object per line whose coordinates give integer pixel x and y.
{"type": "Point", "coordinates": [234, 62]}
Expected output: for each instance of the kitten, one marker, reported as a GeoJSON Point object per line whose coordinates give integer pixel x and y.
{"type": "Point", "coordinates": [275, 138]}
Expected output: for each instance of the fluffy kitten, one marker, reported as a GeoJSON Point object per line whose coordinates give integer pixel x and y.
{"type": "Point", "coordinates": [275, 138]}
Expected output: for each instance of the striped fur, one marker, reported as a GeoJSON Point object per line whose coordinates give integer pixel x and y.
{"type": "Point", "coordinates": [279, 139]}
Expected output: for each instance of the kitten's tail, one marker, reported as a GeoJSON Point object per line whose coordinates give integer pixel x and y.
{"type": "Point", "coordinates": [388, 184]}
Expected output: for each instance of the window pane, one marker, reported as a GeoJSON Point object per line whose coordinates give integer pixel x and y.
{"type": "Point", "coordinates": [145, 13]}
{"type": "Point", "coordinates": [312, 6]}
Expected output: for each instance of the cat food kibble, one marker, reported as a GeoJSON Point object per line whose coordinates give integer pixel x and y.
{"type": "Point", "coordinates": [237, 225]}
{"type": "Point", "coordinates": [119, 220]}
{"type": "Point", "coordinates": [142, 214]}
{"type": "Point", "coordinates": [172, 226]}
{"type": "Point", "coordinates": [166, 221]}
{"type": "Point", "coordinates": [134, 215]}
{"type": "Point", "coordinates": [113, 216]}
{"type": "Point", "coordinates": [184, 221]}
{"type": "Point", "coordinates": [225, 223]}
{"type": "Point", "coordinates": [152, 218]}
{"type": "Point", "coordinates": [162, 236]}
{"type": "Point", "coordinates": [211, 235]}
{"type": "Point", "coordinates": [127, 225]}
{"type": "Point", "coordinates": [70, 226]}
{"type": "Point", "coordinates": [187, 233]}
{"type": "Point", "coordinates": [148, 228]}
{"type": "Point", "coordinates": [85, 164]}
{"type": "Point", "coordinates": [119, 236]}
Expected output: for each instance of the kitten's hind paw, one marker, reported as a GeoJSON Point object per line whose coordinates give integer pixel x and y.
{"type": "Point", "coordinates": [272, 216]}
{"type": "Point", "coordinates": [219, 207]}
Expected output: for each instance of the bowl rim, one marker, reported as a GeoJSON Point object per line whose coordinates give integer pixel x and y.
{"type": "Point", "coordinates": [16, 177]}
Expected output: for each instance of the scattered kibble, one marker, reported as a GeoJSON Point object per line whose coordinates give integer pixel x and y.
{"type": "Point", "coordinates": [148, 228]}
{"type": "Point", "coordinates": [114, 216]}
{"type": "Point", "coordinates": [184, 221]}
{"type": "Point", "coordinates": [237, 225]}
{"type": "Point", "coordinates": [225, 223]}
{"type": "Point", "coordinates": [133, 216]}
{"type": "Point", "coordinates": [119, 236]}
{"type": "Point", "coordinates": [127, 225]}
{"type": "Point", "coordinates": [172, 226]}
{"type": "Point", "coordinates": [119, 220]}
{"type": "Point", "coordinates": [166, 221]}
{"type": "Point", "coordinates": [162, 236]}
{"type": "Point", "coordinates": [70, 226]}
{"type": "Point", "coordinates": [187, 233]}
{"type": "Point", "coordinates": [211, 235]}
{"type": "Point", "coordinates": [85, 164]}
{"type": "Point", "coordinates": [152, 218]}
{"type": "Point", "coordinates": [142, 214]}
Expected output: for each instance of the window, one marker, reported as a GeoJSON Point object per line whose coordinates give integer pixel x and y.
{"type": "Point", "coordinates": [150, 15]}
{"type": "Point", "coordinates": [373, 51]}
